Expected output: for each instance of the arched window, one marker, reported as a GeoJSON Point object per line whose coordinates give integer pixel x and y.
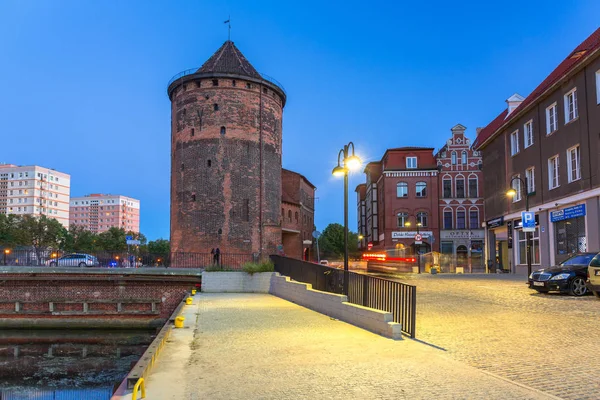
{"type": "Point", "coordinates": [282, 213]}
{"type": "Point", "coordinates": [223, 130]}
{"type": "Point", "coordinates": [473, 186]}
{"type": "Point", "coordinates": [402, 219]}
{"type": "Point", "coordinates": [296, 216]}
{"type": "Point", "coordinates": [402, 189]}
{"type": "Point", "coordinates": [460, 187]}
{"type": "Point", "coordinates": [290, 215]}
{"type": "Point", "coordinates": [453, 158]}
{"type": "Point", "coordinates": [473, 218]}
{"type": "Point", "coordinates": [422, 218]}
{"type": "Point", "coordinates": [448, 218]}
{"type": "Point", "coordinates": [447, 186]}
{"type": "Point", "coordinates": [421, 189]}
{"type": "Point", "coordinates": [461, 218]}
{"type": "Point", "coordinates": [464, 157]}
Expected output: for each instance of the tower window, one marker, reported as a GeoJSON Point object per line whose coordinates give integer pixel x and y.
{"type": "Point", "coordinates": [193, 197]}
{"type": "Point", "coordinates": [246, 213]}
{"type": "Point", "coordinates": [223, 130]}
{"type": "Point", "coordinates": [220, 231]}
{"type": "Point", "coordinates": [182, 166]}
{"type": "Point", "coordinates": [192, 132]}
{"type": "Point", "coordinates": [249, 85]}
{"type": "Point", "coordinates": [184, 87]}
{"type": "Point", "coordinates": [215, 82]}
{"type": "Point", "coordinates": [208, 163]}
{"type": "Point", "coordinates": [265, 90]}
{"type": "Point", "coordinates": [184, 111]}
{"type": "Point", "coordinates": [197, 84]}
{"type": "Point", "coordinates": [233, 82]}
{"type": "Point", "coordinates": [216, 107]}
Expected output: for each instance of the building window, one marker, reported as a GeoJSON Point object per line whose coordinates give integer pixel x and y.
{"type": "Point", "coordinates": [402, 219]}
{"type": "Point", "coordinates": [296, 216]}
{"type": "Point", "coordinates": [447, 188]}
{"type": "Point", "coordinates": [422, 218]}
{"type": "Point", "coordinates": [411, 162]}
{"type": "Point", "coordinates": [208, 163]}
{"type": "Point", "coordinates": [464, 158]}
{"type": "Point", "coordinates": [216, 107]}
{"type": "Point", "coordinates": [460, 188]}
{"type": "Point", "coordinates": [453, 158]}
{"type": "Point", "coordinates": [473, 219]}
{"type": "Point", "coordinates": [289, 215]}
{"type": "Point", "coordinates": [193, 197]}
{"type": "Point", "coordinates": [571, 106]}
{"type": "Point", "coordinates": [402, 189]}
{"type": "Point", "coordinates": [530, 179]}
{"type": "Point", "coordinates": [535, 247]}
{"type": "Point", "coordinates": [249, 85]}
{"type": "Point", "coordinates": [570, 236]}
{"type": "Point", "coordinates": [193, 132]}
{"type": "Point", "coordinates": [223, 130]}
{"type": "Point", "coordinates": [215, 82]}
{"type": "Point", "coordinates": [421, 189]}
{"type": "Point", "coordinates": [233, 83]}
{"type": "Point", "coordinates": [528, 133]}
{"type": "Point", "coordinates": [551, 119]}
{"type": "Point", "coordinates": [574, 164]}
{"type": "Point", "coordinates": [461, 222]}
{"type": "Point", "coordinates": [516, 185]}
{"type": "Point", "coordinates": [553, 172]}
{"type": "Point", "coordinates": [514, 143]}
{"type": "Point", "coordinates": [182, 168]}
{"type": "Point", "coordinates": [448, 220]}
{"type": "Point", "coordinates": [473, 188]}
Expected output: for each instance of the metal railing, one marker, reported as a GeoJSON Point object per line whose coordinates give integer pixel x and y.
{"type": "Point", "coordinates": [395, 297]}
{"type": "Point", "coordinates": [265, 77]}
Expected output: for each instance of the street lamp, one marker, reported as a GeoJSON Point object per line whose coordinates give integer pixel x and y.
{"type": "Point", "coordinates": [418, 225]}
{"type": "Point", "coordinates": [512, 193]}
{"type": "Point", "coordinates": [346, 162]}
{"type": "Point", "coordinates": [6, 252]}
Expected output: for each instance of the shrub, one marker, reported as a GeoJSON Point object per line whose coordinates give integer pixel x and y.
{"type": "Point", "coordinates": [264, 266]}
{"type": "Point", "coordinates": [215, 268]}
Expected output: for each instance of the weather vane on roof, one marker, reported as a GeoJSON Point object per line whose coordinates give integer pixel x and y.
{"type": "Point", "coordinates": [229, 25]}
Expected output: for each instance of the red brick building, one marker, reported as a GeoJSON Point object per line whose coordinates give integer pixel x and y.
{"type": "Point", "coordinates": [461, 200]}
{"type": "Point", "coordinates": [401, 192]}
{"type": "Point", "coordinates": [297, 214]}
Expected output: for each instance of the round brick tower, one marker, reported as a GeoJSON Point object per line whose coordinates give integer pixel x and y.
{"type": "Point", "coordinates": [226, 123]}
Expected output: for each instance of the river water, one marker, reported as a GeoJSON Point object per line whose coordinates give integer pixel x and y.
{"type": "Point", "coordinates": [67, 365]}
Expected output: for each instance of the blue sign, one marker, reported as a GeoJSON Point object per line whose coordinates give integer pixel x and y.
{"type": "Point", "coordinates": [128, 237]}
{"type": "Point", "coordinates": [528, 221]}
{"type": "Point", "coordinates": [568, 213]}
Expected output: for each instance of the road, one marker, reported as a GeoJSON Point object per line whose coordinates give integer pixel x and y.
{"type": "Point", "coordinates": [550, 342]}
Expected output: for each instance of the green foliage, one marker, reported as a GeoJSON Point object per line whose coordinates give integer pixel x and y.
{"type": "Point", "coordinates": [263, 266]}
{"type": "Point", "coordinates": [40, 232]}
{"type": "Point", "coordinates": [80, 239]}
{"type": "Point", "coordinates": [331, 242]}
{"type": "Point", "coordinates": [8, 230]}
{"type": "Point", "coordinates": [113, 240]}
{"type": "Point", "coordinates": [159, 246]}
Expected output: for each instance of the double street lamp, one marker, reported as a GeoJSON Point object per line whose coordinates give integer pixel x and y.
{"type": "Point", "coordinates": [417, 249]}
{"type": "Point", "coordinates": [346, 162]}
{"type": "Point", "coordinates": [512, 193]}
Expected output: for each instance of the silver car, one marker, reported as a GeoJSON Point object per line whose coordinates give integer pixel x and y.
{"type": "Point", "coordinates": [74, 260]}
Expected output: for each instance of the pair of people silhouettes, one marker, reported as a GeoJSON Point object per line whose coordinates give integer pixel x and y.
{"type": "Point", "coordinates": [216, 256]}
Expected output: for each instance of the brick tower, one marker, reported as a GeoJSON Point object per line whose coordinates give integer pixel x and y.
{"type": "Point", "coordinates": [226, 123]}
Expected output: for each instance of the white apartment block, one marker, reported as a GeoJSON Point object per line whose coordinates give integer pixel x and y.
{"type": "Point", "coordinates": [35, 190]}
{"type": "Point", "coordinates": [100, 212]}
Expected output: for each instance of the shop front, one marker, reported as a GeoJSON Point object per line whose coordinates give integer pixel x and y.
{"type": "Point", "coordinates": [405, 244]}
{"type": "Point", "coordinates": [462, 248]}
{"type": "Point", "coordinates": [569, 226]}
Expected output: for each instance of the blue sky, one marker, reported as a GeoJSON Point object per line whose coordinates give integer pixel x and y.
{"type": "Point", "coordinates": [84, 83]}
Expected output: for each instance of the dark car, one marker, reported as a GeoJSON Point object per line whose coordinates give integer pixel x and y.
{"type": "Point", "coordinates": [568, 277]}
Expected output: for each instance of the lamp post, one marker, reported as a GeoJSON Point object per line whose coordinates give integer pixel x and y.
{"type": "Point", "coordinates": [346, 161]}
{"type": "Point", "coordinates": [418, 225]}
{"type": "Point", "coordinates": [511, 193]}
{"type": "Point", "coordinates": [6, 253]}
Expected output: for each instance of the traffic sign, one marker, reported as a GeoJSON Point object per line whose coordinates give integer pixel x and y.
{"type": "Point", "coordinates": [418, 239]}
{"type": "Point", "coordinates": [128, 237]}
{"type": "Point", "coordinates": [528, 221]}
{"type": "Point", "coordinates": [133, 242]}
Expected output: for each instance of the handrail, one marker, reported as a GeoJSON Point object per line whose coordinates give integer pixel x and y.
{"type": "Point", "coordinates": [139, 383]}
{"type": "Point", "coordinates": [192, 71]}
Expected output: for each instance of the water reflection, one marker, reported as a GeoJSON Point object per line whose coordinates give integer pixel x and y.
{"type": "Point", "coordinates": [67, 365]}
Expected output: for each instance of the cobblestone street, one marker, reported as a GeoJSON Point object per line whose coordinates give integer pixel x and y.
{"type": "Point", "coordinates": [496, 323]}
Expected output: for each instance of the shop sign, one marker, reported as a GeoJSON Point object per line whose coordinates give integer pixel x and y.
{"type": "Point", "coordinates": [495, 223]}
{"type": "Point", "coordinates": [509, 229]}
{"type": "Point", "coordinates": [463, 234]}
{"type": "Point", "coordinates": [411, 234]}
{"type": "Point", "coordinates": [568, 213]}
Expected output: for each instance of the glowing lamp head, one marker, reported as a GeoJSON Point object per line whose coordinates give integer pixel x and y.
{"type": "Point", "coordinates": [6, 251]}
{"type": "Point", "coordinates": [511, 193]}
{"type": "Point", "coordinates": [353, 163]}
{"type": "Point", "coordinates": [339, 171]}
{"type": "Point", "coordinates": [407, 224]}
{"type": "Point", "coordinates": [360, 237]}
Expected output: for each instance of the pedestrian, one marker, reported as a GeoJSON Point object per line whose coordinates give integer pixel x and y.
{"type": "Point", "coordinates": [218, 256]}
{"type": "Point", "coordinates": [212, 255]}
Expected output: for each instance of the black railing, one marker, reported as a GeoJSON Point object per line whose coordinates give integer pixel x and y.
{"type": "Point", "coordinates": [395, 297]}
{"type": "Point", "coordinates": [121, 259]}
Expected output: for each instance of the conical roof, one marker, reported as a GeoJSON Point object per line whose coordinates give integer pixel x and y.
{"type": "Point", "coordinates": [229, 60]}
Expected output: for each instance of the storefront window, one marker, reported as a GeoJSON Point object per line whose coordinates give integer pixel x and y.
{"type": "Point", "coordinates": [447, 248]}
{"type": "Point", "coordinates": [570, 236]}
{"type": "Point", "coordinates": [535, 247]}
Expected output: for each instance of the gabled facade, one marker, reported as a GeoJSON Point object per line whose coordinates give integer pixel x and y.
{"type": "Point", "coordinates": [551, 140]}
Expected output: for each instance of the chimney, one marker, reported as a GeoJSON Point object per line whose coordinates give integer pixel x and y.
{"type": "Point", "coordinates": [477, 130]}
{"type": "Point", "coordinates": [514, 101]}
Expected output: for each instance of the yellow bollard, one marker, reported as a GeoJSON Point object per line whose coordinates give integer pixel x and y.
{"type": "Point", "coordinates": [179, 322]}
{"type": "Point", "coordinates": [193, 292]}
{"type": "Point", "coordinates": [189, 301]}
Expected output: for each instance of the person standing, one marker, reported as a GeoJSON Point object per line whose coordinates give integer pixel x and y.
{"type": "Point", "coordinates": [218, 256]}
{"type": "Point", "coordinates": [212, 255]}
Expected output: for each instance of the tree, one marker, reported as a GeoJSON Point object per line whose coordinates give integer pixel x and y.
{"type": "Point", "coordinates": [8, 230]}
{"type": "Point", "coordinates": [41, 233]}
{"type": "Point", "coordinates": [113, 240]}
{"type": "Point", "coordinates": [160, 247]}
{"type": "Point", "coordinates": [80, 239]}
{"type": "Point", "coordinates": [331, 241]}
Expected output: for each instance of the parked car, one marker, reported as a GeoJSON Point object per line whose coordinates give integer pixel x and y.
{"type": "Point", "coordinates": [324, 262]}
{"type": "Point", "coordinates": [74, 260]}
{"type": "Point", "coordinates": [567, 277]}
{"type": "Point", "coordinates": [593, 283]}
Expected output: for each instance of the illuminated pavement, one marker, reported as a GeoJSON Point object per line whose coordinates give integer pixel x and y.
{"type": "Point", "coordinates": [550, 342]}
{"type": "Point", "coordinates": [256, 346]}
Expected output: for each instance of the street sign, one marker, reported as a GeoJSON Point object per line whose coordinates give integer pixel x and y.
{"type": "Point", "coordinates": [418, 239]}
{"type": "Point", "coordinates": [128, 237]}
{"type": "Point", "coordinates": [133, 242]}
{"type": "Point", "coordinates": [528, 220]}
{"type": "Point", "coordinates": [316, 234]}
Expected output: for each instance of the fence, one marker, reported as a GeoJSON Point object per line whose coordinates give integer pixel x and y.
{"type": "Point", "coordinates": [105, 259]}
{"type": "Point", "coordinates": [395, 297]}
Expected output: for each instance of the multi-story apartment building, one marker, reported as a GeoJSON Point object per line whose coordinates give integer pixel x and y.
{"type": "Point", "coordinates": [551, 140]}
{"type": "Point", "coordinates": [100, 212]}
{"type": "Point", "coordinates": [297, 214]}
{"type": "Point", "coordinates": [461, 200]}
{"type": "Point", "coordinates": [35, 190]}
{"type": "Point", "coordinates": [401, 197]}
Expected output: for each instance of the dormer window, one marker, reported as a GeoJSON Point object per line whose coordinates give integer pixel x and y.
{"type": "Point", "coordinates": [411, 162]}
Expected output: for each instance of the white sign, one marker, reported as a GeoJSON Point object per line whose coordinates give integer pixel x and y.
{"type": "Point", "coordinates": [418, 239]}
{"type": "Point", "coordinates": [133, 242]}
{"type": "Point", "coordinates": [463, 234]}
{"type": "Point", "coordinates": [528, 218]}
{"type": "Point", "coordinates": [411, 234]}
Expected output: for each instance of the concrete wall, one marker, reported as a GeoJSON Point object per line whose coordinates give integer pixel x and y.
{"type": "Point", "coordinates": [236, 282]}
{"type": "Point", "coordinates": [336, 306]}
